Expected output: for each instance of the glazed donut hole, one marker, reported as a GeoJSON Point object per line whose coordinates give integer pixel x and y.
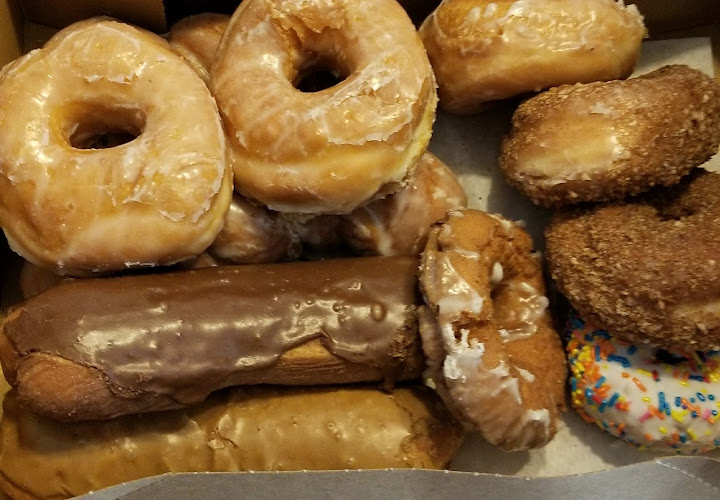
{"type": "Point", "coordinates": [98, 125]}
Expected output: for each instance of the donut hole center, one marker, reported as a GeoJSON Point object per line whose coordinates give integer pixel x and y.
{"type": "Point", "coordinates": [317, 73]}
{"type": "Point", "coordinates": [517, 307]}
{"type": "Point", "coordinates": [670, 358]}
{"type": "Point", "coordinates": [103, 127]}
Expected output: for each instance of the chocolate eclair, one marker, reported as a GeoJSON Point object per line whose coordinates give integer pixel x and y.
{"type": "Point", "coordinates": [98, 348]}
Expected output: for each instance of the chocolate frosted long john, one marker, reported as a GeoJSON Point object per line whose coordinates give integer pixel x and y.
{"type": "Point", "coordinates": [98, 348]}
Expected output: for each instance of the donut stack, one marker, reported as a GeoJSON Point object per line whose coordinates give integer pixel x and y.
{"type": "Point", "coordinates": [184, 305]}
{"type": "Point", "coordinates": [631, 244]}
{"type": "Point", "coordinates": [137, 340]}
{"type": "Point", "coordinates": [127, 158]}
{"type": "Point", "coordinates": [642, 275]}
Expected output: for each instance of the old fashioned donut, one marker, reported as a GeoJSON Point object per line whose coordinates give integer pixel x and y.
{"type": "Point", "coordinates": [648, 269]}
{"type": "Point", "coordinates": [604, 141]}
{"type": "Point", "coordinates": [399, 224]}
{"type": "Point", "coordinates": [484, 50]}
{"type": "Point", "coordinates": [330, 150]}
{"type": "Point", "coordinates": [158, 199]}
{"type": "Point", "coordinates": [254, 235]}
{"type": "Point", "coordinates": [196, 39]}
{"type": "Point", "coordinates": [492, 351]}
{"type": "Point", "coordinates": [651, 397]}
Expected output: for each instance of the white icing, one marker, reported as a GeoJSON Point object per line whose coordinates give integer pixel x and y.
{"type": "Point", "coordinates": [526, 374]}
{"type": "Point", "coordinates": [458, 296]}
{"type": "Point", "coordinates": [649, 407]}
{"type": "Point", "coordinates": [476, 389]}
{"type": "Point", "coordinates": [496, 275]}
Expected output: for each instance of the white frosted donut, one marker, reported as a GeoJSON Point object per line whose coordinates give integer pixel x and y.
{"type": "Point", "coordinates": [331, 150]}
{"type": "Point", "coordinates": [158, 199]}
{"type": "Point", "coordinates": [486, 50]}
{"type": "Point", "coordinates": [650, 397]}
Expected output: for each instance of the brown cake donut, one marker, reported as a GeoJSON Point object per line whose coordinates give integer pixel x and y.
{"type": "Point", "coordinates": [646, 270]}
{"type": "Point", "coordinates": [492, 351]}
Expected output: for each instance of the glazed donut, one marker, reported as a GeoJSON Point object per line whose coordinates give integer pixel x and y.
{"type": "Point", "coordinates": [158, 199]}
{"type": "Point", "coordinates": [334, 149]}
{"type": "Point", "coordinates": [399, 224]}
{"type": "Point", "coordinates": [254, 235]}
{"type": "Point", "coordinates": [487, 334]}
{"type": "Point", "coordinates": [320, 234]}
{"type": "Point", "coordinates": [395, 225]}
{"type": "Point", "coordinates": [650, 397]}
{"type": "Point", "coordinates": [648, 269]}
{"type": "Point", "coordinates": [196, 39]}
{"type": "Point", "coordinates": [485, 51]}
{"type": "Point", "coordinates": [604, 141]}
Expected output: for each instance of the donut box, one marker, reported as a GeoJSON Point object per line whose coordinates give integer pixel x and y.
{"type": "Point", "coordinates": [581, 459]}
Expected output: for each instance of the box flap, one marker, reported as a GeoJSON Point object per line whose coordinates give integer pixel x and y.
{"type": "Point", "coordinates": [10, 32]}
{"type": "Point", "coordinates": [665, 16]}
{"type": "Point", "coordinates": [667, 478]}
{"type": "Point", "coordinates": [147, 13]}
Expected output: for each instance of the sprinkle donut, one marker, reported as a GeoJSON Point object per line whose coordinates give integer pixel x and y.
{"type": "Point", "coordinates": [334, 149]}
{"type": "Point", "coordinates": [78, 209]}
{"type": "Point", "coordinates": [493, 354]}
{"type": "Point", "coordinates": [650, 397]}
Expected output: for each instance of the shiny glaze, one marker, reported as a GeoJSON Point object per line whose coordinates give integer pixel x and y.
{"type": "Point", "coordinates": [184, 333]}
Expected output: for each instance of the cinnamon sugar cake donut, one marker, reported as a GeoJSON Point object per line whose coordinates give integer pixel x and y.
{"type": "Point", "coordinates": [647, 269]}
{"type": "Point", "coordinates": [603, 141]}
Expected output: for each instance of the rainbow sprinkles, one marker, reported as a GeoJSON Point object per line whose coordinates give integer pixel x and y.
{"type": "Point", "coordinates": [647, 396]}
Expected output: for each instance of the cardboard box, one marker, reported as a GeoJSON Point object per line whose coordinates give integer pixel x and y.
{"type": "Point", "coordinates": [569, 464]}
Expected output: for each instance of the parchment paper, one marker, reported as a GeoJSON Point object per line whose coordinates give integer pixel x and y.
{"type": "Point", "coordinates": [470, 145]}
